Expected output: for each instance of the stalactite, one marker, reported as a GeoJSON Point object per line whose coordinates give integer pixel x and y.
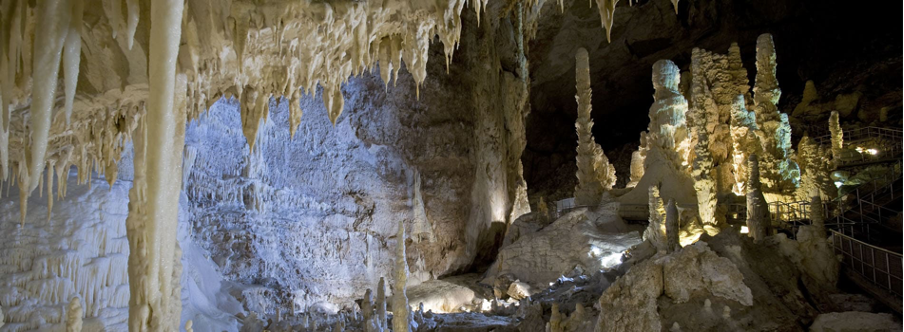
{"type": "Point", "coordinates": [49, 40]}
{"type": "Point", "coordinates": [72, 54]}
{"type": "Point", "coordinates": [158, 152]}
{"type": "Point", "coordinates": [607, 15]}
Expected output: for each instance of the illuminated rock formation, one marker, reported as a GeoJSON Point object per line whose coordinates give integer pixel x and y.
{"type": "Point", "coordinates": [837, 138]}
{"type": "Point", "coordinates": [656, 232]}
{"type": "Point", "coordinates": [780, 174]}
{"type": "Point", "coordinates": [815, 169]}
{"type": "Point", "coordinates": [595, 174]}
{"type": "Point", "coordinates": [667, 142]}
{"type": "Point", "coordinates": [703, 181]}
{"type": "Point", "coordinates": [758, 219]}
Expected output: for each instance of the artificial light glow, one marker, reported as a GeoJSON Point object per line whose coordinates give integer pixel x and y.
{"type": "Point", "coordinates": [744, 230]}
{"type": "Point", "coordinates": [838, 184]}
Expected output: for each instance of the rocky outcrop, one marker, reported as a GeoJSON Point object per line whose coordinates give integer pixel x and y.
{"type": "Point", "coordinates": [597, 239]}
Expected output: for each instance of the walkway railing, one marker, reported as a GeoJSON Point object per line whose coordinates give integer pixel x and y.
{"type": "Point", "coordinates": [872, 145]}
{"type": "Point", "coordinates": [880, 267]}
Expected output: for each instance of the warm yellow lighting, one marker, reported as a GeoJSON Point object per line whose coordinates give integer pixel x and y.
{"type": "Point", "coordinates": [744, 230]}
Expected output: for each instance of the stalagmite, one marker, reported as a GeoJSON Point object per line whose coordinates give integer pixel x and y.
{"type": "Point", "coordinates": [153, 207]}
{"type": "Point", "coordinates": [703, 181]}
{"type": "Point", "coordinates": [837, 137]}
{"type": "Point", "coordinates": [595, 174]}
{"type": "Point", "coordinates": [780, 174]}
{"type": "Point", "coordinates": [744, 143]}
{"type": "Point", "coordinates": [400, 309]}
{"type": "Point", "coordinates": [656, 230]}
{"type": "Point", "coordinates": [381, 304]}
{"type": "Point", "coordinates": [189, 326]}
{"type": "Point", "coordinates": [72, 51]}
{"type": "Point", "coordinates": [74, 314]}
{"type": "Point", "coordinates": [671, 226]}
{"type": "Point", "coordinates": [815, 169]}
{"type": "Point", "coordinates": [49, 39]}
{"type": "Point", "coordinates": [758, 218]}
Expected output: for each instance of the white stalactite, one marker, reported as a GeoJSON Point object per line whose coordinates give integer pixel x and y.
{"type": "Point", "coordinates": [153, 263]}
{"type": "Point", "coordinates": [49, 39]}
{"type": "Point", "coordinates": [72, 51]}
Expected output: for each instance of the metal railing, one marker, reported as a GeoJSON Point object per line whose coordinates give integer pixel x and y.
{"type": "Point", "coordinates": [880, 267]}
{"type": "Point", "coordinates": [868, 145]}
{"type": "Point", "coordinates": [865, 133]}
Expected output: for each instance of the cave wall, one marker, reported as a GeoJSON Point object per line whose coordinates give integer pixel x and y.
{"type": "Point", "coordinates": [311, 219]}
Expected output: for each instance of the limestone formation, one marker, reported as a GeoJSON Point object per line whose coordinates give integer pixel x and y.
{"type": "Point", "coordinates": [656, 232]}
{"type": "Point", "coordinates": [744, 142]}
{"type": "Point", "coordinates": [381, 305]}
{"type": "Point", "coordinates": [667, 142]}
{"type": "Point", "coordinates": [400, 314]}
{"type": "Point", "coordinates": [671, 227]}
{"type": "Point", "coordinates": [837, 138]}
{"type": "Point", "coordinates": [780, 173]}
{"type": "Point", "coordinates": [189, 326]}
{"type": "Point", "coordinates": [758, 218]}
{"type": "Point", "coordinates": [595, 174]}
{"type": "Point", "coordinates": [815, 169]}
{"type": "Point", "coordinates": [703, 181]}
{"type": "Point", "coordinates": [818, 259]}
{"type": "Point", "coordinates": [74, 314]}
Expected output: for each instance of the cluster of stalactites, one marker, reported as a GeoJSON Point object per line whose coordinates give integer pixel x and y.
{"type": "Point", "coordinates": [607, 12]}
{"type": "Point", "coordinates": [323, 44]}
{"type": "Point", "coordinates": [595, 174]}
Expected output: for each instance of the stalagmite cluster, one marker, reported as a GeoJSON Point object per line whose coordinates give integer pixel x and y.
{"type": "Point", "coordinates": [595, 174]}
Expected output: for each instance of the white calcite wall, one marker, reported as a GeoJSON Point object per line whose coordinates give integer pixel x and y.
{"type": "Point", "coordinates": [80, 252]}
